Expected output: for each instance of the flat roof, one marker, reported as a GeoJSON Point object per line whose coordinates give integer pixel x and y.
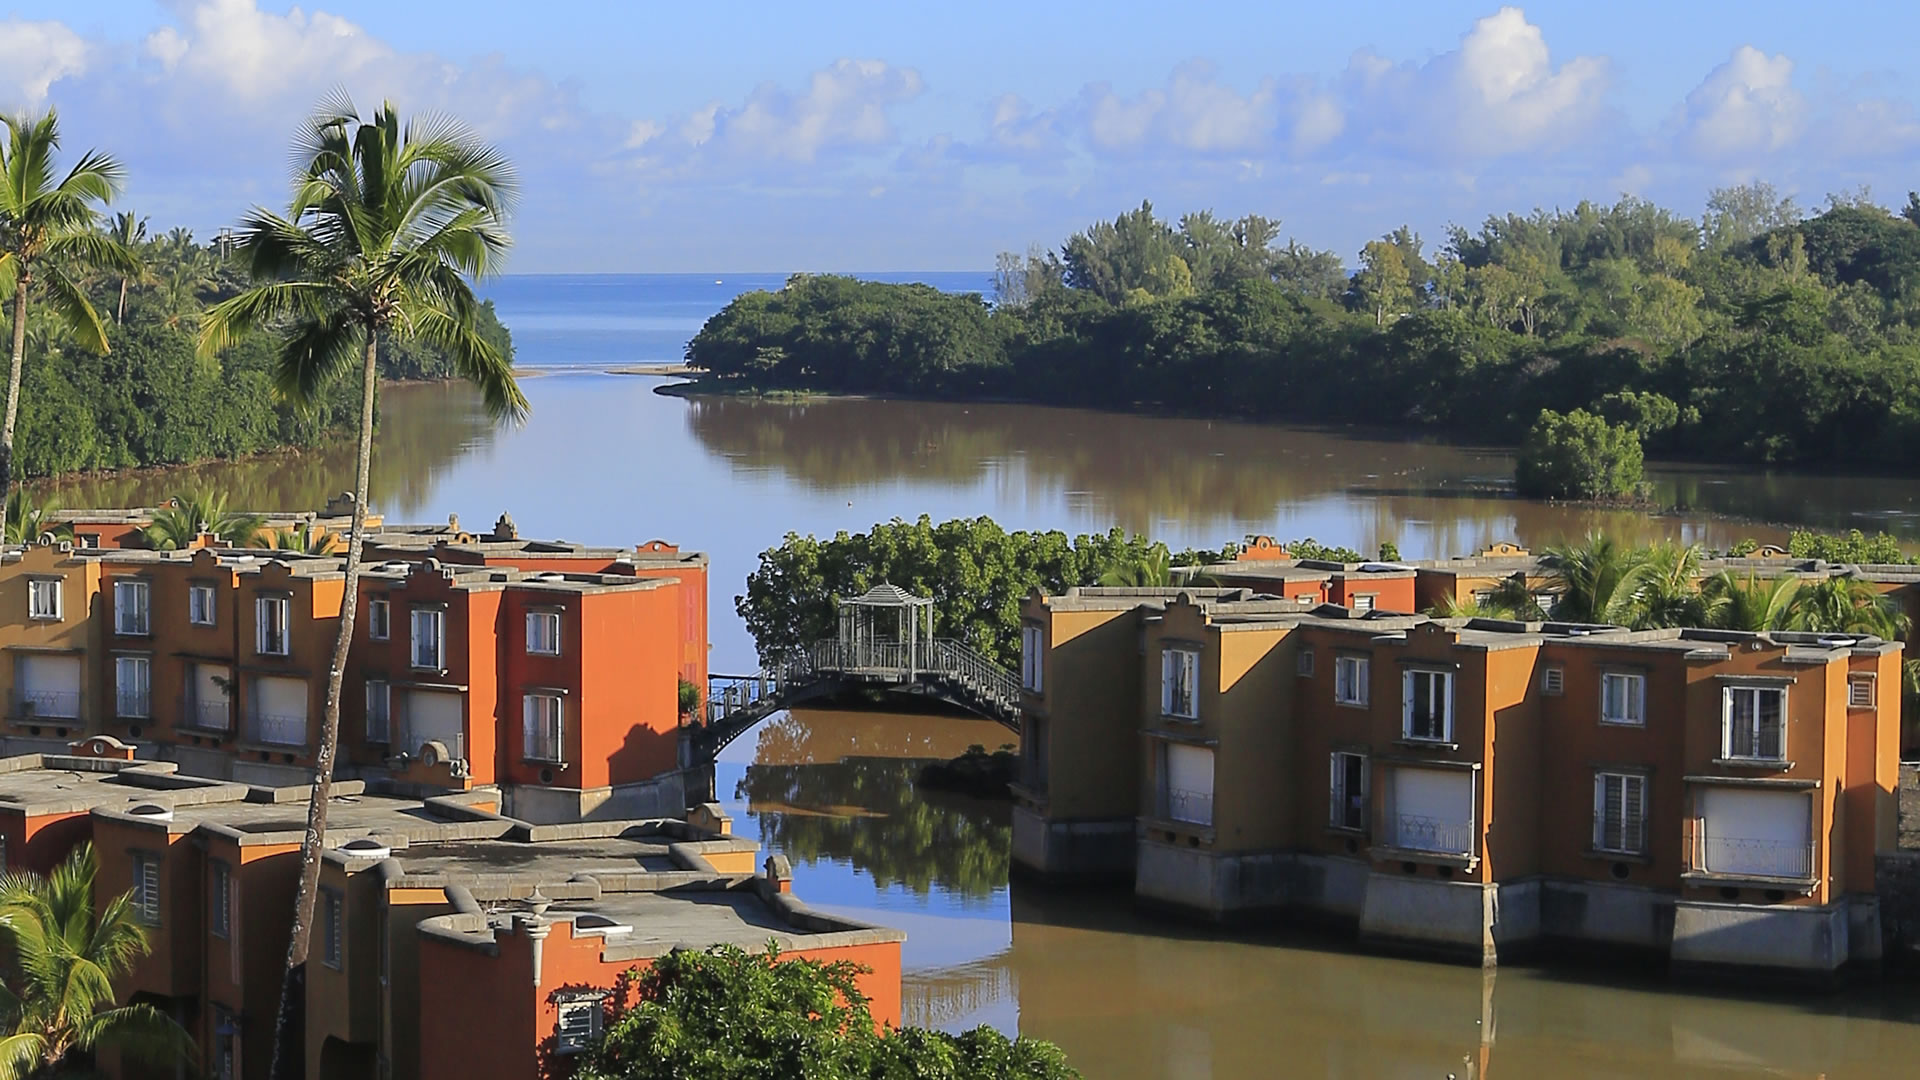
{"type": "Point", "coordinates": [661, 920]}
{"type": "Point", "coordinates": [349, 816]}
{"type": "Point", "coordinates": [40, 784]}
{"type": "Point", "coordinates": [551, 860]}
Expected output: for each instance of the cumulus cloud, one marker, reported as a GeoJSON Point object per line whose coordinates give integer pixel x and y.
{"type": "Point", "coordinates": [34, 56]}
{"type": "Point", "coordinates": [1744, 107]}
{"type": "Point", "coordinates": [1195, 111]}
{"type": "Point", "coordinates": [843, 105]}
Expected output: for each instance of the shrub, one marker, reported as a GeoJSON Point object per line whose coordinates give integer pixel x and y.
{"type": "Point", "coordinates": [1578, 456]}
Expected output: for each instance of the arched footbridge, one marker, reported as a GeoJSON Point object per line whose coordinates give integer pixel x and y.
{"type": "Point", "coordinates": [885, 643]}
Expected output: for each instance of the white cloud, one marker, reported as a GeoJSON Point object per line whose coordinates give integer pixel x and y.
{"type": "Point", "coordinates": [1746, 106]}
{"type": "Point", "coordinates": [844, 105]}
{"type": "Point", "coordinates": [1194, 112]}
{"type": "Point", "coordinates": [235, 45]}
{"type": "Point", "coordinates": [34, 56]}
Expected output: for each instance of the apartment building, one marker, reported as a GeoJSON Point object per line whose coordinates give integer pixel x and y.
{"type": "Point", "coordinates": [1474, 787]}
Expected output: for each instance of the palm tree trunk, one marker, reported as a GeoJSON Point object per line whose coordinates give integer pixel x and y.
{"type": "Point", "coordinates": [311, 846]}
{"type": "Point", "coordinates": [120, 310]}
{"type": "Point", "coordinates": [13, 392]}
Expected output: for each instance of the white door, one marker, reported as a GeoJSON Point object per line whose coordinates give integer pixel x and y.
{"type": "Point", "coordinates": [1433, 810]}
{"type": "Point", "coordinates": [49, 683]}
{"type": "Point", "coordinates": [435, 716]}
{"type": "Point", "coordinates": [280, 711]}
{"type": "Point", "coordinates": [1756, 832]}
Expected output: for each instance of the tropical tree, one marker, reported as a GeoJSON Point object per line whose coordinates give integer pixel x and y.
{"type": "Point", "coordinates": [1511, 599]}
{"type": "Point", "coordinates": [130, 232]}
{"type": "Point", "coordinates": [47, 225]}
{"type": "Point", "coordinates": [1593, 581]}
{"type": "Point", "coordinates": [187, 516]}
{"type": "Point", "coordinates": [306, 538]}
{"type": "Point", "coordinates": [388, 224]}
{"type": "Point", "coordinates": [1848, 605]}
{"type": "Point", "coordinates": [1151, 569]}
{"type": "Point", "coordinates": [28, 520]}
{"type": "Point", "coordinates": [1661, 589]}
{"type": "Point", "coordinates": [57, 1006]}
{"type": "Point", "coordinates": [1748, 603]}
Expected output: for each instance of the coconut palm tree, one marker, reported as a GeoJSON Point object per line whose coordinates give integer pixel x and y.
{"type": "Point", "coordinates": [130, 232]}
{"type": "Point", "coordinates": [1848, 605]}
{"type": "Point", "coordinates": [1511, 599]}
{"type": "Point", "coordinates": [58, 1007]}
{"type": "Point", "coordinates": [1750, 603]}
{"type": "Point", "coordinates": [306, 538]}
{"type": "Point", "coordinates": [1661, 589]}
{"type": "Point", "coordinates": [28, 520]}
{"type": "Point", "coordinates": [47, 225]}
{"type": "Point", "coordinates": [187, 516]}
{"type": "Point", "coordinates": [1594, 580]}
{"type": "Point", "coordinates": [387, 225]}
{"type": "Point", "coordinates": [1152, 569]}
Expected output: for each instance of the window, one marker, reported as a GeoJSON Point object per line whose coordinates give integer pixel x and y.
{"type": "Point", "coordinates": [200, 605]}
{"type": "Point", "coordinates": [1350, 676]}
{"type": "Point", "coordinates": [43, 598]}
{"type": "Point", "coordinates": [1303, 664]}
{"type": "Point", "coordinates": [379, 620]}
{"type": "Point", "coordinates": [1755, 723]}
{"type": "Point", "coordinates": [429, 635]}
{"type": "Point", "coordinates": [578, 1025]}
{"type": "Point", "coordinates": [130, 607]}
{"type": "Point", "coordinates": [331, 930]}
{"type": "Point", "coordinates": [379, 711]}
{"type": "Point", "coordinates": [1363, 602]}
{"type": "Point", "coordinates": [1186, 783]}
{"type": "Point", "coordinates": [1553, 680]}
{"type": "Point", "coordinates": [270, 625]}
{"type": "Point", "coordinates": [1623, 699]}
{"type": "Point", "coordinates": [1860, 691]}
{"type": "Point", "coordinates": [1033, 657]}
{"type": "Point", "coordinates": [131, 685]}
{"type": "Point", "coordinates": [1619, 813]}
{"type": "Point", "coordinates": [543, 633]}
{"type": "Point", "coordinates": [146, 888]}
{"type": "Point", "coordinates": [1179, 671]}
{"type": "Point", "coordinates": [220, 900]}
{"type": "Point", "coordinates": [544, 728]}
{"type": "Point", "coordinates": [1347, 793]}
{"type": "Point", "coordinates": [1427, 706]}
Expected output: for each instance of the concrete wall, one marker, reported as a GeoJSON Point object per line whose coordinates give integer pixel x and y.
{"type": "Point", "coordinates": [1072, 849]}
{"type": "Point", "coordinates": [1797, 939]}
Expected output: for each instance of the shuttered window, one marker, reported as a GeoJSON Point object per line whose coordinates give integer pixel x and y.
{"type": "Point", "coordinates": [1860, 692]}
{"type": "Point", "coordinates": [333, 947]}
{"type": "Point", "coordinates": [1350, 675]}
{"type": "Point", "coordinates": [146, 888]}
{"type": "Point", "coordinates": [578, 1025]}
{"type": "Point", "coordinates": [1620, 813]}
{"type": "Point", "coordinates": [220, 901]}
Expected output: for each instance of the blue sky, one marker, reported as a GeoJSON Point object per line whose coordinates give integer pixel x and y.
{"type": "Point", "coordinates": [867, 136]}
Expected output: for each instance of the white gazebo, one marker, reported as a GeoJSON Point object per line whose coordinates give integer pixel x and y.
{"type": "Point", "coordinates": [885, 629]}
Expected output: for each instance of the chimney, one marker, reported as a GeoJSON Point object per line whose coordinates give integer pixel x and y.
{"type": "Point", "coordinates": [780, 873]}
{"type": "Point", "coordinates": [503, 529]}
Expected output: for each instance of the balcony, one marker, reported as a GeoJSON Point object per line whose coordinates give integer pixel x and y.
{"type": "Point", "coordinates": [213, 716]}
{"type": "Point", "coordinates": [44, 705]}
{"type": "Point", "coordinates": [405, 742]}
{"type": "Point", "coordinates": [133, 704]}
{"type": "Point", "coordinates": [274, 729]}
{"type": "Point", "coordinates": [1416, 832]}
{"type": "Point", "coordinates": [1747, 859]}
{"type": "Point", "coordinates": [1190, 807]}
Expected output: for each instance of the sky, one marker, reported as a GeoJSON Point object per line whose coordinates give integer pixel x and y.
{"type": "Point", "coordinates": [849, 136]}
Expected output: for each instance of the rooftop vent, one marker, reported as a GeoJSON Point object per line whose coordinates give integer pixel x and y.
{"type": "Point", "coordinates": [599, 924]}
{"type": "Point", "coordinates": [365, 847]}
{"type": "Point", "coordinates": [549, 575]}
{"type": "Point", "coordinates": [1836, 641]}
{"type": "Point", "coordinates": [151, 812]}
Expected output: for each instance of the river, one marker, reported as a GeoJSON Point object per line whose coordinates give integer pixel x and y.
{"type": "Point", "coordinates": [605, 459]}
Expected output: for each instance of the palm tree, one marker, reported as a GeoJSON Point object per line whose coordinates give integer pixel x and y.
{"type": "Point", "coordinates": [1848, 605]}
{"type": "Point", "coordinates": [305, 538]}
{"type": "Point", "coordinates": [61, 1010]}
{"type": "Point", "coordinates": [386, 227]}
{"type": "Point", "coordinates": [130, 232]}
{"type": "Point", "coordinates": [187, 516]}
{"type": "Point", "coordinates": [1511, 599]}
{"type": "Point", "coordinates": [1660, 590]}
{"type": "Point", "coordinates": [1751, 603]}
{"type": "Point", "coordinates": [1152, 569]}
{"type": "Point", "coordinates": [27, 520]}
{"type": "Point", "coordinates": [46, 226]}
{"type": "Point", "coordinates": [1593, 580]}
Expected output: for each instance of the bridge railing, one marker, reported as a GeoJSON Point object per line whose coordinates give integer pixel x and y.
{"type": "Point", "coordinates": [958, 660]}
{"type": "Point", "coordinates": [748, 697]}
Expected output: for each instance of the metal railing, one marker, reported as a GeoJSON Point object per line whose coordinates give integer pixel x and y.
{"type": "Point", "coordinates": [1417, 832]}
{"type": "Point", "coordinates": [206, 715]}
{"type": "Point", "coordinates": [137, 704]}
{"type": "Point", "coordinates": [404, 742]}
{"type": "Point", "coordinates": [1192, 807]}
{"type": "Point", "coordinates": [1737, 856]}
{"type": "Point", "coordinates": [277, 729]}
{"type": "Point", "coordinates": [49, 704]}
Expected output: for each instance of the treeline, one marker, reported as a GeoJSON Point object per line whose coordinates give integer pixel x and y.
{"type": "Point", "coordinates": [1753, 333]}
{"type": "Point", "coordinates": [149, 400]}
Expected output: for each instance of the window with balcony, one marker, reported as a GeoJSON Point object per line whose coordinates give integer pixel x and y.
{"type": "Point", "coordinates": [1620, 813]}
{"type": "Point", "coordinates": [578, 1025]}
{"type": "Point", "coordinates": [146, 888]}
{"type": "Point", "coordinates": [1754, 726]}
{"type": "Point", "coordinates": [1347, 791]}
{"type": "Point", "coordinates": [379, 711]}
{"type": "Point", "coordinates": [1753, 833]}
{"type": "Point", "coordinates": [270, 617]}
{"type": "Point", "coordinates": [543, 633]}
{"type": "Point", "coordinates": [43, 599]}
{"type": "Point", "coordinates": [131, 686]}
{"type": "Point", "coordinates": [200, 605]}
{"type": "Point", "coordinates": [1350, 677]}
{"type": "Point", "coordinates": [1179, 683]}
{"type": "Point", "coordinates": [379, 620]}
{"type": "Point", "coordinates": [1623, 699]}
{"type": "Point", "coordinates": [130, 608]}
{"type": "Point", "coordinates": [545, 731]}
{"type": "Point", "coordinates": [332, 929]}
{"type": "Point", "coordinates": [1426, 705]}
{"type": "Point", "coordinates": [220, 900]}
{"type": "Point", "coordinates": [208, 704]}
{"type": "Point", "coordinates": [429, 639]}
{"type": "Point", "coordinates": [1033, 656]}
{"type": "Point", "coordinates": [1186, 783]}
{"type": "Point", "coordinates": [1431, 810]}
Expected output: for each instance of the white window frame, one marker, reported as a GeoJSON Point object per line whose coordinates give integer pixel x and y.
{"type": "Point", "coordinates": [220, 899]}
{"type": "Point", "coordinates": [1340, 801]}
{"type": "Point", "coordinates": [137, 702]}
{"type": "Point", "coordinates": [1033, 658]}
{"type": "Point", "coordinates": [1727, 740]}
{"type": "Point", "coordinates": [333, 928]}
{"type": "Point", "coordinates": [200, 604]}
{"type": "Point", "coordinates": [265, 608]}
{"type": "Point", "coordinates": [146, 888]}
{"type": "Point", "coordinates": [1862, 691]}
{"type": "Point", "coordinates": [1180, 665]}
{"type": "Point", "coordinates": [1634, 700]}
{"type": "Point", "coordinates": [381, 691]}
{"type": "Point", "coordinates": [540, 725]}
{"type": "Point", "coordinates": [132, 607]}
{"type": "Point", "coordinates": [536, 639]}
{"type": "Point", "coordinates": [436, 620]}
{"type": "Point", "coordinates": [589, 1006]}
{"type": "Point", "coordinates": [1440, 690]}
{"type": "Point", "coordinates": [379, 620]}
{"type": "Point", "coordinates": [1352, 679]}
{"type": "Point", "coordinates": [1632, 793]}
{"type": "Point", "coordinates": [46, 599]}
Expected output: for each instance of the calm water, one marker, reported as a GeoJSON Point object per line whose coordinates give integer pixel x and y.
{"type": "Point", "coordinates": [607, 460]}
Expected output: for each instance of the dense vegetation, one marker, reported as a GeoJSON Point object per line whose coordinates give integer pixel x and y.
{"type": "Point", "coordinates": [149, 401]}
{"type": "Point", "coordinates": [1754, 333]}
{"type": "Point", "coordinates": [723, 1012]}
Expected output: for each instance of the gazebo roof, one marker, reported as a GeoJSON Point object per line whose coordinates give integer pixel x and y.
{"type": "Point", "coordinates": [888, 596]}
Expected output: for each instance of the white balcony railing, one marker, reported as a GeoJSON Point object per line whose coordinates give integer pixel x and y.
{"type": "Point", "coordinates": [207, 715]}
{"type": "Point", "coordinates": [1192, 807]}
{"type": "Point", "coordinates": [277, 729]}
{"type": "Point", "coordinates": [1736, 856]}
{"type": "Point", "coordinates": [132, 703]}
{"type": "Point", "coordinates": [1417, 832]}
{"type": "Point", "coordinates": [49, 704]}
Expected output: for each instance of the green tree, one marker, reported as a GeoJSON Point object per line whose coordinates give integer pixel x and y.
{"type": "Point", "coordinates": [57, 1004]}
{"type": "Point", "coordinates": [388, 224]}
{"type": "Point", "coordinates": [1383, 286]}
{"type": "Point", "coordinates": [1578, 456]}
{"type": "Point", "coordinates": [1593, 581]}
{"type": "Point", "coordinates": [186, 516]}
{"type": "Point", "coordinates": [1749, 603]}
{"type": "Point", "coordinates": [1847, 605]}
{"type": "Point", "coordinates": [1662, 590]}
{"type": "Point", "coordinates": [28, 520]}
{"type": "Point", "coordinates": [306, 538]}
{"type": "Point", "coordinates": [129, 231]}
{"type": "Point", "coordinates": [724, 1012]}
{"type": "Point", "coordinates": [46, 226]}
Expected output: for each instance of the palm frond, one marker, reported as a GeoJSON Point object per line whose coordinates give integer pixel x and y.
{"type": "Point", "coordinates": [69, 302]}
